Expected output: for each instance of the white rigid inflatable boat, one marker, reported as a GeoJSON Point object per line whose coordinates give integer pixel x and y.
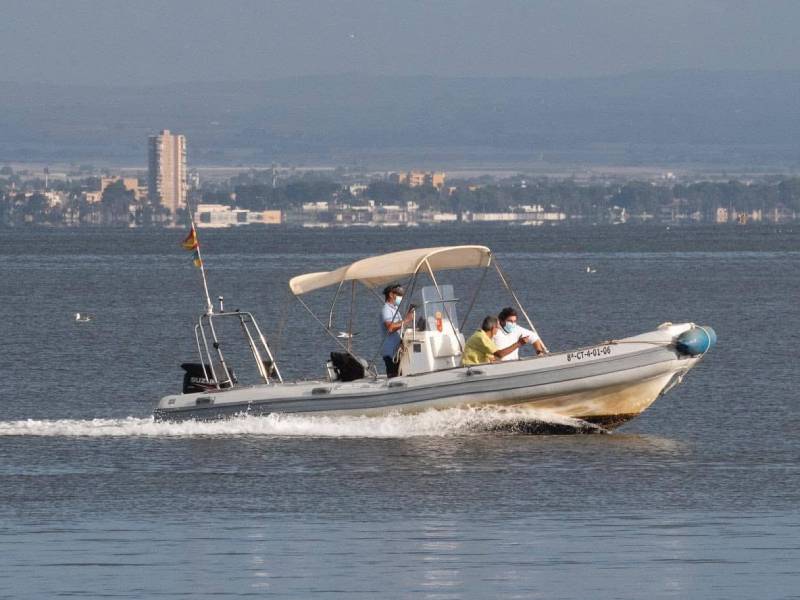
{"type": "Point", "coordinates": [606, 384]}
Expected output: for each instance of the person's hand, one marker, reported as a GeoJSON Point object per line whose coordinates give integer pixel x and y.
{"type": "Point", "coordinates": [523, 340]}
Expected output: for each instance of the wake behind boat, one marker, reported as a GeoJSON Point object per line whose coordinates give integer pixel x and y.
{"type": "Point", "coordinates": [607, 383]}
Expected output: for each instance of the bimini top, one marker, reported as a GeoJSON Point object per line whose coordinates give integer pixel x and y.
{"type": "Point", "coordinates": [378, 270]}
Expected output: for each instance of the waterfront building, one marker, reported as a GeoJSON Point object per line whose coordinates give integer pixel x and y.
{"type": "Point", "coordinates": [265, 217]}
{"type": "Point", "coordinates": [222, 216]}
{"type": "Point", "coordinates": [167, 170]}
{"type": "Point", "coordinates": [219, 215]}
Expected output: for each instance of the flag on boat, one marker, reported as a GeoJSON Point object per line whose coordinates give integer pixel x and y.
{"type": "Point", "coordinates": [190, 243]}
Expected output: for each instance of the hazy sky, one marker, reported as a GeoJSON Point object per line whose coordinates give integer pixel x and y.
{"type": "Point", "coordinates": [145, 41]}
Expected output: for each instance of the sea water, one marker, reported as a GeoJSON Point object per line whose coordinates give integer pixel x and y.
{"type": "Point", "coordinates": [697, 497]}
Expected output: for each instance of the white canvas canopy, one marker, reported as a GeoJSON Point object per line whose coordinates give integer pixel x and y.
{"type": "Point", "coordinates": [378, 270]}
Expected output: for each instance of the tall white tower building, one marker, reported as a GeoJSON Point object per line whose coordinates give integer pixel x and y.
{"type": "Point", "coordinates": [166, 180]}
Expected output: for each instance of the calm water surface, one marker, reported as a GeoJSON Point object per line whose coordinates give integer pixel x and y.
{"type": "Point", "coordinates": [698, 498]}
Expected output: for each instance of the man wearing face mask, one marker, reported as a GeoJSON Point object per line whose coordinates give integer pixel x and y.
{"type": "Point", "coordinates": [509, 332]}
{"type": "Point", "coordinates": [393, 321]}
{"type": "Point", "coordinates": [480, 347]}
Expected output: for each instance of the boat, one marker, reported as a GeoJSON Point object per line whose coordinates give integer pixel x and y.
{"type": "Point", "coordinates": [606, 384]}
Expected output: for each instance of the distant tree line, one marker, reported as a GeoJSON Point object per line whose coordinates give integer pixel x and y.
{"type": "Point", "coordinates": [595, 201]}
{"type": "Point", "coordinates": [117, 207]}
{"type": "Point", "coordinates": [23, 201]}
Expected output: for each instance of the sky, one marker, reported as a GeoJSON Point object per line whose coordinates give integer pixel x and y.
{"type": "Point", "coordinates": [142, 42]}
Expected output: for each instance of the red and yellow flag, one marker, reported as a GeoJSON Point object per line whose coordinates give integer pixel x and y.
{"type": "Point", "coordinates": [190, 243]}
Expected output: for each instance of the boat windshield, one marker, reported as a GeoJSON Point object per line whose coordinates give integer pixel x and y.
{"type": "Point", "coordinates": [436, 307]}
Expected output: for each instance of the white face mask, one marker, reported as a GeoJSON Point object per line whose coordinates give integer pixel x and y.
{"type": "Point", "coordinates": [398, 300]}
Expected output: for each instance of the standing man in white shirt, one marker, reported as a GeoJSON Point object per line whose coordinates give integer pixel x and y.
{"type": "Point", "coordinates": [509, 332]}
{"type": "Point", "coordinates": [393, 322]}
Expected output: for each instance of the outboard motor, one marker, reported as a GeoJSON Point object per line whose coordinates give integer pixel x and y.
{"type": "Point", "coordinates": [194, 379]}
{"type": "Point", "coordinates": [696, 341]}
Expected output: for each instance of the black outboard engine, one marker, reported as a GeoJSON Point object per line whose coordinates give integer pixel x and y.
{"type": "Point", "coordinates": [194, 379]}
{"type": "Point", "coordinates": [347, 366]}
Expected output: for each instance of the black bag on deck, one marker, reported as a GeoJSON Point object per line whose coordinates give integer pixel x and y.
{"type": "Point", "coordinates": [347, 366]}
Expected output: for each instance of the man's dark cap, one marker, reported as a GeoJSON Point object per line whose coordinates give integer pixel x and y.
{"type": "Point", "coordinates": [393, 287]}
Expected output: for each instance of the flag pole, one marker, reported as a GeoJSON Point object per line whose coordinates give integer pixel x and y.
{"type": "Point", "coordinates": [209, 306]}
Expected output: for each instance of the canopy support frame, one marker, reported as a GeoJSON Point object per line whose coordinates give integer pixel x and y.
{"type": "Point", "coordinates": [516, 300]}
{"type": "Point", "coordinates": [477, 291]}
{"type": "Point", "coordinates": [328, 332]}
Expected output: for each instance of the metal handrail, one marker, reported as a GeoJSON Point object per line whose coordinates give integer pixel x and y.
{"type": "Point", "coordinates": [207, 321]}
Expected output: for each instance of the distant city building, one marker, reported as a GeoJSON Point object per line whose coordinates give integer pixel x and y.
{"type": "Point", "coordinates": [221, 215]}
{"type": "Point", "coordinates": [130, 183]}
{"type": "Point", "coordinates": [265, 217]}
{"type": "Point", "coordinates": [92, 197]}
{"type": "Point", "coordinates": [437, 179]}
{"type": "Point", "coordinates": [416, 178]}
{"type": "Point", "coordinates": [528, 217]}
{"type": "Point", "coordinates": [167, 170]}
{"type": "Point", "coordinates": [315, 207]}
{"type": "Point", "coordinates": [419, 178]}
{"type": "Point", "coordinates": [55, 198]}
{"type": "Point", "coordinates": [194, 179]}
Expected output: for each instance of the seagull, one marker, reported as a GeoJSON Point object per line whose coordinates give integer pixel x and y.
{"type": "Point", "coordinates": [79, 318]}
{"type": "Point", "coordinates": [591, 270]}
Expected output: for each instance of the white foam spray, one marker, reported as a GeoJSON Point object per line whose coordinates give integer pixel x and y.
{"type": "Point", "coordinates": [430, 423]}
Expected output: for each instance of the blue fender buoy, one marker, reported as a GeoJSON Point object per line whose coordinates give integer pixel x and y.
{"type": "Point", "coordinates": [696, 341]}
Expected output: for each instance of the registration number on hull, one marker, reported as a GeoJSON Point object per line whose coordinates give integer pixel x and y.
{"type": "Point", "coordinates": [596, 352]}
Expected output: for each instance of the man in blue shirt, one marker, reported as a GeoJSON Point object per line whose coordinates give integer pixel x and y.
{"type": "Point", "coordinates": [392, 322]}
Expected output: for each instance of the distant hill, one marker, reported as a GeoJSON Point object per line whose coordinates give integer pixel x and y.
{"type": "Point", "coordinates": [666, 117]}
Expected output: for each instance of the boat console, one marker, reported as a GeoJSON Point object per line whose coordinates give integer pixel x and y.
{"type": "Point", "coordinates": [434, 342]}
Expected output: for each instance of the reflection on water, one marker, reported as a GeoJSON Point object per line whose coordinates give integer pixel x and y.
{"type": "Point", "coordinates": [577, 555]}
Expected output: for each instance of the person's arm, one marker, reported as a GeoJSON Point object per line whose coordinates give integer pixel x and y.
{"type": "Point", "coordinates": [515, 346]}
{"type": "Point", "coordinates": [392, 326]}
{"type": "Point", "coordinates": [535, 341]}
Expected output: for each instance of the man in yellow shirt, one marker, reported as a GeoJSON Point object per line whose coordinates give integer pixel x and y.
{"type": "Point", "coordinates": [481, 349]}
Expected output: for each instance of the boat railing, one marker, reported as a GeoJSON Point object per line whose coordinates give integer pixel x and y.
{"type": "Point", "coordinates": [208, 345]}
